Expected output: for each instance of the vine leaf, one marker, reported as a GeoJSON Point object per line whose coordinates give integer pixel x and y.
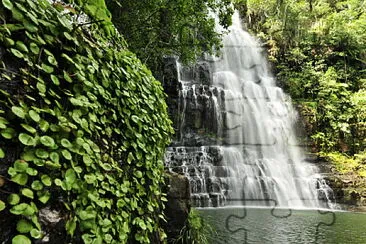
{"type": "Point", "coordinates": [2, 205]}
{"type": "Point", "coordinates": [2, 154]}
{"type": "Point", "coordinates": [34, 115]}
{"type": "Point", "coordinates": [8, 4]}
{"type": "Point", "coordinates": [24, 226]}
{"type": "Point", "coordinates": [17, 53]}
{"type": "Point", "coordinates": [26, 139]}
{"type": "Point", "coordinates": [18, 111]}
{"type": "Point", "coordinates": [21, 239]}
{"type": "Point", "coordinates": [47, 141]}
{"type": "Point", "coordinates": [13, 199]}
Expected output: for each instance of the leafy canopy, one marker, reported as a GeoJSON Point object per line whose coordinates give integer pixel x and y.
{"type": "Point", "coordinates": [185, 28]}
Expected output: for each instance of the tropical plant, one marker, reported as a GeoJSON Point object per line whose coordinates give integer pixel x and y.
{"type": "Point", "coordinates": [83, 128]}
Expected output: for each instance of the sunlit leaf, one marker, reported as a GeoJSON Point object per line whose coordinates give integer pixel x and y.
{"type": "Point", "coordinates": [24, 226]}
{"type": "Point", "coordinates": [7, 4]}
{"type": "Point", "coordinates": [26, 139]}
{"type": "Point", "coordinates": [21, 239]}
{"type": "Point", "coordinates": [47, 141]}
{"type": "Point", "coordinates": [2, 205]}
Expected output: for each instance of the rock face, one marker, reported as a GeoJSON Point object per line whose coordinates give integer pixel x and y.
{"type": "Point", "coordinates": [197, 110]}
{"type": "Point", "coordinates": [178, 205]}
{"type": "Point", "coordinates": [192, 105]}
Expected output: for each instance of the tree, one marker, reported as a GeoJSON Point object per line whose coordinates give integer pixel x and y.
{"type": "Point", "coordinates": [184, 28]}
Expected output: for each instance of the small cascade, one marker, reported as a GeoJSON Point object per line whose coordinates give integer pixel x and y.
{"type": "Point", "coordinates": [236, 140]}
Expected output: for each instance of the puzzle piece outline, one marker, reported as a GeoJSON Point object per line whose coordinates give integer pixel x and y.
{"type": "Point", "coordinates": [245, 240]}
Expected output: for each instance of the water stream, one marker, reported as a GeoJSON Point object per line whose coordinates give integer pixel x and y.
{"type": "Point", "coordinates": [236, 141]}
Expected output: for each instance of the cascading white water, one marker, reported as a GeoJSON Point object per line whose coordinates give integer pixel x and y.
{"type": "Point", "coordinates": [256, 157]}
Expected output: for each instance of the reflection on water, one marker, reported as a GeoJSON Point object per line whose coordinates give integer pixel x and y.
{"type": "Point", "coordinates": [272, 225]}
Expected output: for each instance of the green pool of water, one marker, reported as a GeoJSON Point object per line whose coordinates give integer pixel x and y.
{"type": "Point", "coordinates": [268, 225]}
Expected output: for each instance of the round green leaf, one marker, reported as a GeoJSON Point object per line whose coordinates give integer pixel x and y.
{"type": "Point", "coordinates": [70, 176]}
{"type": "Point", "coordinates": [138, 174]}
{"type": "Point", "coordinates": [34, 48]}
{"type": "Point", "coordinates": [46, 180]}
{"type": "Point", "coordinates": [2, 154]}
{"type": "Point", "coordinates": [51, 164]}
{"type": "Point", "coordinates": [37, 185]}
{"type": "Point", "coordinates": [29, 26]}
{"type": "Point", "coordinates": [24, 226]}
{"type": "Point", "coordinates": [28, 193]}
{"type": "Point", "coordinates": [52, 60]}
{"type": "Point", "coordinates": [21, 239]}
{"type": "Point", "coordinates": [13, 199]}
{"type": "Point", "coordinates": [46, 68]}
{"type": "Point", "coordinates": [16, 53]}
{"type": "Point", "coordinates": [23, 209]}
{"type": "Point", "coordinates": [41, 87]}
{"type": "Point", "coordinates": [29, 128]}
{"type": "Point", "coordinates": [67, 77]}
{"type": "Point", "coordinates": [54, 157]}
{"type": "Point", "coordinates": [58, 182]}
{"type": "Point", "coordinates": [28, 155]}
{"type": "Point", "coordinates": [27, 139]}
{"type": "Point", "coordinates": [18, 111]}
{"type": "Point", "coordinates": [3, 123]}
{"type": "Point", "coordinates": [55, 80]}
{"type": "Point", "coordinates": [66, 154]}
{"type": "Point", "coordinates": [43, 197]}
{"type": "Point", "coordinates": [2, 205]}
{"type": "Point", "coordinates": [7, 4]}
{"type": "Point", "coordinates": [66, 143]}
{"type": "Point", "coordinates": [20, 165]}
{"type": "Point", "coordinates": [87, 160]}
{"type": "Point", "coordinates": [44, 125]}
{"type": "Point", "coordinates": [21, 47]}
{"type": "Point", "coordinates": [106, 166]}
{"type": "Point", "coordinates": [41, 153]}
{"type": "Point", "coordinates": [20, 179]}
{"type": "Point", "coordinates": [90, 178]}
{"type": "Point", "coordinates": [36, 233]}
{"type": "Point", "coordinates": [34, 115]}
{"type": "Point", "coordinates": [47, 141]}
{"type": "Point", "coordinates": [31, 171]}
{"type": "Point", "coordinates": [8, 42]}
{"type": "Point", "coordinates": [39, 162]}
{"type": "Point", "coordinates": [8, 133]}
{"type": "Point", "coordinates": [65, 22]}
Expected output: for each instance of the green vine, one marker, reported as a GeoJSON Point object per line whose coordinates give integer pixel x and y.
{"type": "Point", "coordinates": [89, 125]}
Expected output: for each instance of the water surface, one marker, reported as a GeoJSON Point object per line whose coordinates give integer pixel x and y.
{"type": "Point", "coordinates": [271, 225]}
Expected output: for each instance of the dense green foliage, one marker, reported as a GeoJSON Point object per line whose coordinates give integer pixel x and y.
{"type": "Point", "coordinates": [83, 126]}
{"type": "Point", "coordinates": [98, 11]}
{"type": "Point", "coordinates": [196, 231]}
{"type": "Point", "coordinates": [154, 28]}
{"type": "Point", "coordinates": [319, 50]}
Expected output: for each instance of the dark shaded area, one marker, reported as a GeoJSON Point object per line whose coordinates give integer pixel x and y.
{"type": "Point", "coordinates": [178, 206]}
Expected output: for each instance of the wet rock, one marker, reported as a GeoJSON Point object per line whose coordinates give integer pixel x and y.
{"type": "Point", "coordinates": [53, 225]}
{"type": "Point", "coordinates": [203, 72]}
{"type": "Point", "coordinates": [178, 206]}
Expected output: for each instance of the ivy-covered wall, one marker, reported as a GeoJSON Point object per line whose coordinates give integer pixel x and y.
{"type": "Point", "coordinates": [83, 128]}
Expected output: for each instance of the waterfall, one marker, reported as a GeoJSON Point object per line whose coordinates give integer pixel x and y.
{"type": "Point", "coordinates": [237, 142]}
